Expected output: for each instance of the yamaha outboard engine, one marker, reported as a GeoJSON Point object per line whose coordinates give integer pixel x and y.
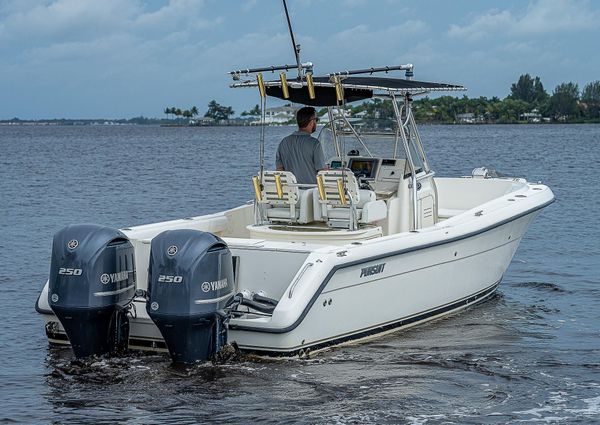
{"type": "Point", "coordinates": [190, 281]}
{"type": "Point", "coordinates": [92, 279]}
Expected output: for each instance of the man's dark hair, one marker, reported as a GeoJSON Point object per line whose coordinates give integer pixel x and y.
{"type": "Point", "coordinates": [304, 115]}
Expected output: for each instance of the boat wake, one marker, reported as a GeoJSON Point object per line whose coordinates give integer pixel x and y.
{"type": "Point", "coordinates": [542, 286]}
{"type": "Point", "coordinates": [115, 369]}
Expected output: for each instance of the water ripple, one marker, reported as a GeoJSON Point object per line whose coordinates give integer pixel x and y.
{"type": "Point", "coordinates": [528, 354]}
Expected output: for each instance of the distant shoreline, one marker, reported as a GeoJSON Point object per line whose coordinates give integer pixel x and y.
{"type": "Point", "coordinates": [117, 122]}
{"type": "Point", "coordinates": [232, 123]}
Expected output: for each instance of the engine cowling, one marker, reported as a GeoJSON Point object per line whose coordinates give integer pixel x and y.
{"type": "Point", "coordinates": [190, 282]}
{"type": "Point", "coordinates": [92, 279]}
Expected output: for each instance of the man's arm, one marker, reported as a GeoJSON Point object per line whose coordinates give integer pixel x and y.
{"type": "Point", "coordinates": [318, 158]}
{"type": "Point", "coordinates": [278, 161]}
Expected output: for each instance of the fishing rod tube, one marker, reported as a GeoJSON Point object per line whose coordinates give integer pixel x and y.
{"type": "Point", "coordinates": [310, 85]}
{"type": "Point", "coordinates": [284, 85]}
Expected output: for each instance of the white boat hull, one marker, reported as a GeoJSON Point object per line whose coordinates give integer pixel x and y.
{"type": "Point", "coordinates": [332, 294]}
{"type": "Point", "coordinates": [417, 285]}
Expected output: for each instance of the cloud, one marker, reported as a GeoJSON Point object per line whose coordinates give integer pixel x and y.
{"type": "Point", "coordinates": [353, 3]}
{"type": "Point", "coordinates": [126, 57]}
{"type": "Point", "coordinates": [64, 21]}
{"type": "Point", "coordinates": [514, 47]}
{"type": "Point", "coordinates": [377, 46]}
{"type": "Point", "coordinates": [363, 35]}
{"type": "Point", "coordinates": [177, 15]}
{"type": "Point", "coordinates": [112, 37]}
{"type": "Point", "coordinates": [558, 16]}
{"type": "Point", "coordinates": [541, 17]}
{"type": "Point", "coordinates": [249, 5]}
{"type": "Point", "coordinates": [483, 26]}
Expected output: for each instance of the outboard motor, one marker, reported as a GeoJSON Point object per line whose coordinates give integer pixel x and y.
{"type": "Point", "coordinates": [190, 282]}
{"type": "Point", "coordinates": [92, 279]}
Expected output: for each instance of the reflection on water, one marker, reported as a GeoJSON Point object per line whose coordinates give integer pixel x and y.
{"type": "Point", "coordinates": [529, 353]}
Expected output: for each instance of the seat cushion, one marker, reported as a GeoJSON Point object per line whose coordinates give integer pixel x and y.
{"type": "Point", "coordinates": [373, 211]}
{"type": "Point", "coordinates": [305, 206]}
{"type": "Point", "coordinates": [365, 196]}
{"type": "Point", "coordinates": [341, 214]}
{"type": "Point", "coordinates": [282, 213]}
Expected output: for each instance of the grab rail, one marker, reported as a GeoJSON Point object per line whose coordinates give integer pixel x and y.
{"type": "Point", "coordinates": [426, 175]}
{"type": "Point", "coordinates": [306, 266]}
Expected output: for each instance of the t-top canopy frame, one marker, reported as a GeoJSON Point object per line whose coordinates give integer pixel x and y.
{"type": "Point", "coordinates": [355, 88]}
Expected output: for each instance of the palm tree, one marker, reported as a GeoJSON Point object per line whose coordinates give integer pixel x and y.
{"type": "Point", "coordinates": [226, 111]}
{"type": "Point", "coordinates": [213, 109]}
{"type": "Point", "coordinates": [194, 111]}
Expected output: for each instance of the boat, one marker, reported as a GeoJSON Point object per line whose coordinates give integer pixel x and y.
{"type": "Point", "coordinates": [380, 243]}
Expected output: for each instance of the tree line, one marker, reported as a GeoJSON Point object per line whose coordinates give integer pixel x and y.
{"type": "Point", "coordinates": [178, 112]}
{"type": "Point", "coordinates": [215, 111]}
{"type": "Point", "coordinates": [527, 99]}
{"type": "Point", "coordinates": [566, 101]}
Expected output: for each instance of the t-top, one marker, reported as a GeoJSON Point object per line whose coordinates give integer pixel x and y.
{"type": "Point", "coordinates": [301, 154]}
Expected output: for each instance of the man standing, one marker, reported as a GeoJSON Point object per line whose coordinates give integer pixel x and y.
{"type": "Point", "coordinates": [299, 152]}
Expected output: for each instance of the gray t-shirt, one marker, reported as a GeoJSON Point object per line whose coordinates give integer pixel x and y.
{"type": "Point", "coordinates": [301, 154]}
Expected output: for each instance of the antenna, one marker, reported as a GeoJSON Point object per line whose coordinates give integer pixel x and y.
{"type": "Point", "coordinates": [295, 46]}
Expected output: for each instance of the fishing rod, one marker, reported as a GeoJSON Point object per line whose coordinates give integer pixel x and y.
{"type": "Point", "coordinates": [295, 46]}
{"type": "Point", "coordinates": [303, 68]}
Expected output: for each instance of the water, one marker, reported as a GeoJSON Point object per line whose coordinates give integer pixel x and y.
{"type": "Point", "coordinates": [529, 354]}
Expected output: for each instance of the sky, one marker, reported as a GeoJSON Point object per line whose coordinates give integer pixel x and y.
{"type": "Point", "coordinates": [126, 58]}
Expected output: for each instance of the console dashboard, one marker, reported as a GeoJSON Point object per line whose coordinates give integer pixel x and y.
{"type": "Point", "coordinates": [382, 174]}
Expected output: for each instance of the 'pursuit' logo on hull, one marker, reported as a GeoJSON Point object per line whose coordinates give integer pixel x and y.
{"type": "Point", "coordinates": [371, 270]}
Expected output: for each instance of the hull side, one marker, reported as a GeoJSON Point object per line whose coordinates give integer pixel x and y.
{"type": "Point", "coordinates": [416, 287]}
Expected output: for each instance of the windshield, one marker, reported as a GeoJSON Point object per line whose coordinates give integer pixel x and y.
{"type": "Point", "coordinates": [378, 144]}
{"type": "Point", "coordinates": [417, 159]}
{"type": "Point", "coordinates": [375, 134]}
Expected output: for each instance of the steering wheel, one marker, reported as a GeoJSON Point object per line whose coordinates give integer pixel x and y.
{"type": "Point", "coordinates": [363, 183]}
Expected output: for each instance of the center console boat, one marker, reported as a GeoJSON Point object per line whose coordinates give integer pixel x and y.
{"type": "Point", "coordinates": [380, 243]}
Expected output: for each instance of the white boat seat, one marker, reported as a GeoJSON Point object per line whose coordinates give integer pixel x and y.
{"type": "Point", "coordinates": [370, 212]}
{"type": "Point", "coordinates": [360, 203]}
{"type": "Point", "coordinates": [373, 211]}
{"type": "Point", "coordinates": [292, 205]}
